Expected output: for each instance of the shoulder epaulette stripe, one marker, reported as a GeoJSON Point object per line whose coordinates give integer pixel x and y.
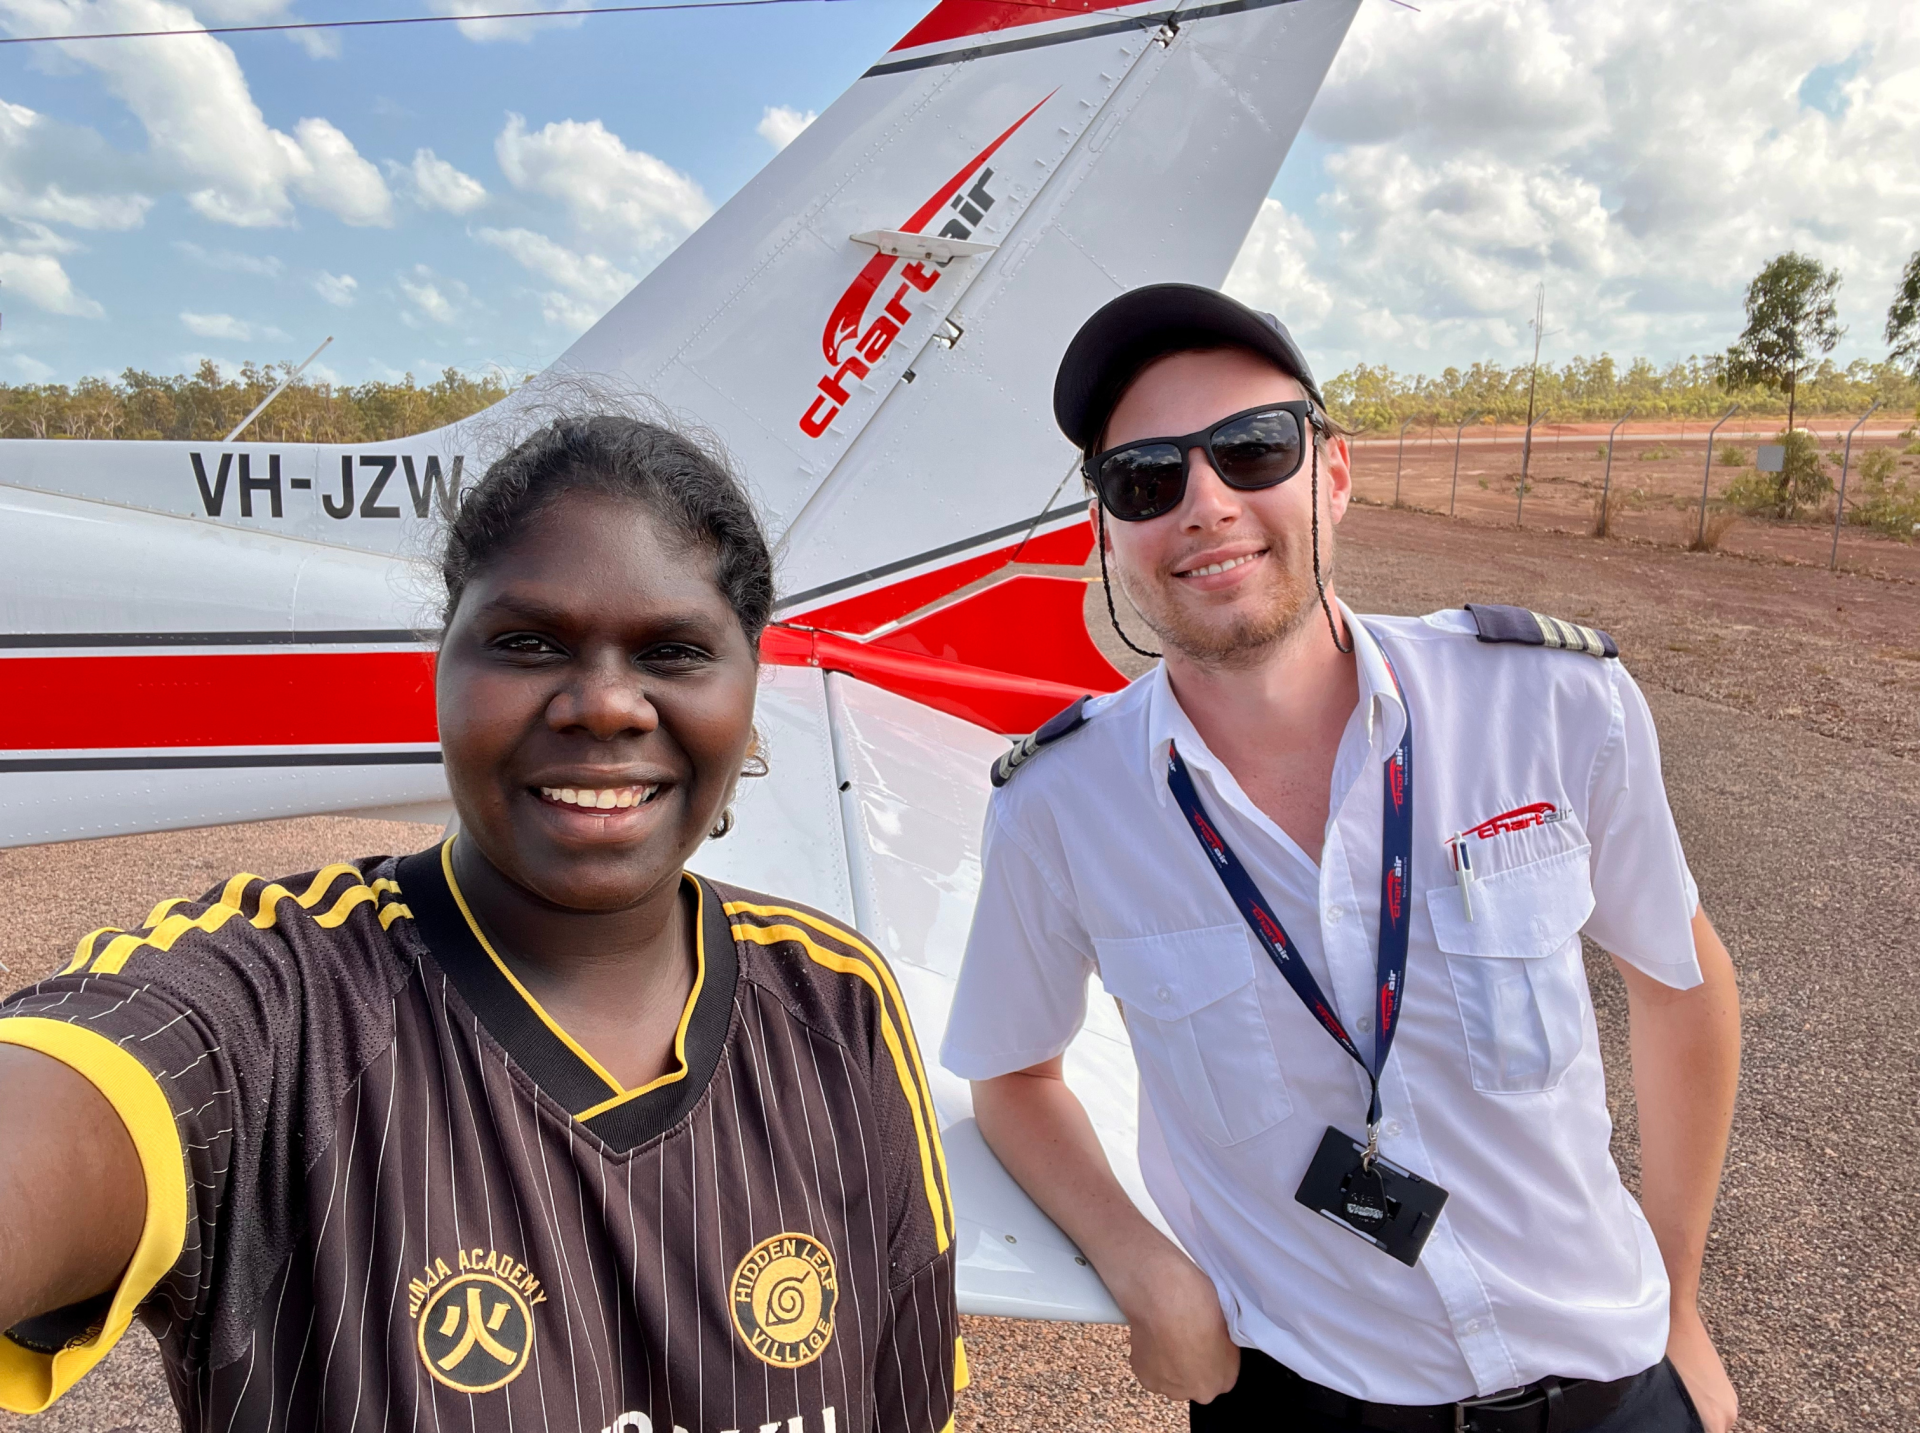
{"type": "Point", "coordinates": [1495, 623]}
{"type": "Point", "coordinates": [869, 967]}
{"type": "Point", "coordinates": [163, 928]}
{"type": "Point", "coordinates": [1061, 723]}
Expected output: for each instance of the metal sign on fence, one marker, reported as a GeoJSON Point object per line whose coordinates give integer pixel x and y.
{"type": "Point", "coordinates": [1771, 458]}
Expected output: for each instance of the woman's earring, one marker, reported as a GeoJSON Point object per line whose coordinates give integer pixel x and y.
{"type": "Point", "coordinates": [725, 825]}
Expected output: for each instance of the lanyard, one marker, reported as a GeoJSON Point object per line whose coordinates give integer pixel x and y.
{"type": "Point", "coordinates": [1396, 853]}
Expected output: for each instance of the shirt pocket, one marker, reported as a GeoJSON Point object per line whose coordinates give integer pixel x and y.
{"type": "Point", "coordinates": [1197, 1027]}
{"type": "Point", "coordinates": [1516, 969]}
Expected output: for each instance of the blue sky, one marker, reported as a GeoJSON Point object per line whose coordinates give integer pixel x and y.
{"type": "Point", "coordinates": [437, 197]}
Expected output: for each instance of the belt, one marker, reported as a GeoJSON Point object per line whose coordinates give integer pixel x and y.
{"type": "Point", "coordinates": [1552, 1405]}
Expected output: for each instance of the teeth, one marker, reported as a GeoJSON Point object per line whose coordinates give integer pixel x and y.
{"type": "Point", "coordinates": [605, 798]}
{"type": "Point", "coordinates": [1214, 567]}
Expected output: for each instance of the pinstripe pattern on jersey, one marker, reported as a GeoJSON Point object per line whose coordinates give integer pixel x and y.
{"type": "Point", "coordinates": [838, 949]}
{"type": "Point", "coordinates": [350, 1059]}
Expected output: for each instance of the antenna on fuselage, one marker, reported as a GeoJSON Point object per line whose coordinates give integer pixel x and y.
{"type": "Point", "coordinates": [242, 426]}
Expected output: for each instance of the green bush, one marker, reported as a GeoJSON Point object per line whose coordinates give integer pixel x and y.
{"type": "Point", "coordinates": [1731, 457]}
{"type": "Point", "coordinates": [1797, 488]}
{"type": "Point", "coordinates": [1656, 454]}
{"type": "Point", "coordinates": [1887, 502]}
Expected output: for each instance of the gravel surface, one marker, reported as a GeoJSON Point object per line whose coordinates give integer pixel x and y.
{"type": "Point", "coordinates": [1789, 705]}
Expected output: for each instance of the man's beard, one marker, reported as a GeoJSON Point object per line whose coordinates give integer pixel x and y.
{"type": "Point", "coordinates": [1241, 638]}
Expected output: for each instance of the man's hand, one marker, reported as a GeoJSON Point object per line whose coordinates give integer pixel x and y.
{"type": "Point", "coordinates": [1697, 1362]}
{"type": "Point", "coordinates": [1180, 1343]}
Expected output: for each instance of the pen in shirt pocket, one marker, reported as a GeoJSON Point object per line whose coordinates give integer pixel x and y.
{"type": "Point", "coordinates": [1462, 870]}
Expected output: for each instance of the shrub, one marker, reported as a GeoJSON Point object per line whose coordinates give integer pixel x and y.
{"type": "Point", "coordinates": [1800, 486]}
{"type": "Point", "coordinates": [1706, 538]}
{"type": "Point", "coordinates": [1656, 454]}
{"type": "Point", "coordinates": [1731, 457]}
{"type": "Point", "coordinates": [1887, 502]}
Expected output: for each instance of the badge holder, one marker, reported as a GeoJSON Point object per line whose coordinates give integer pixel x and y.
{"type": "Point", "coordinates": [1392, 1208]}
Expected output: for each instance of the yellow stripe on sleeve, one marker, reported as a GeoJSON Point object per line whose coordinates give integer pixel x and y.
{"type": "Point", "coordinates": [29, 1381]}
{"type": "Point", "coordinates": [962, 1376]}
{"type": "Point", "coordinates": [885, 972]}
{"type": "Point", "coordinates": [167, 928]}
{"type": "Point", "coordinates": [924, 1129]}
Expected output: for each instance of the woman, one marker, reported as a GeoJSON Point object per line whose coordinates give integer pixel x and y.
{"type": "Point", "coordinates": [533, 1129]}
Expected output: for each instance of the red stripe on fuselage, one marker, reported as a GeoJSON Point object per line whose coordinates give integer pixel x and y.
{"type": "Point", "coordinates": [956, 19]}
{"type": "Point", "coordinates": [227, 699]}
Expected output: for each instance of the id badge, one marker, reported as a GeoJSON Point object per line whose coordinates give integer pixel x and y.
{"type": "Point", "coordinates": [1392, 1208]}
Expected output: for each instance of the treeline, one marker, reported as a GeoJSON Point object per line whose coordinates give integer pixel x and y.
{"type": "Point", "coordinates": [205, 406]}
{"type": "Point", "coordinates": [1376, 398]}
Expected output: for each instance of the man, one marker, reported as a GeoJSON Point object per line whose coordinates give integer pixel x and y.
{"type": "Point", "coordinates": [1373, 1110]}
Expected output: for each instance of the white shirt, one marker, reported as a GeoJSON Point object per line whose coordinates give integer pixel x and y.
{"type": "Point", "coordinates": [1541, 1263]}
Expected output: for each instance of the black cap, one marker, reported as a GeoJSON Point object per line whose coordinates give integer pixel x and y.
{"type": "Point", "coordinates": [1148, 323]}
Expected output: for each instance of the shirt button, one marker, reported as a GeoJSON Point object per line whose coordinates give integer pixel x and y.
{"type": "Point", "coordinates": [1333, 915]}
{"type": "Point", "coordinates": [1163, 995]}
{"type": "Point", "coordinates": [1364, 1024]}
{"type": "Point", "coordinates": [1392, 1129]}
{"type": "Point", "coordinates": [1472, 1326]}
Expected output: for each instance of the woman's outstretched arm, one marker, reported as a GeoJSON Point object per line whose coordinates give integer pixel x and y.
{"type": "Point", "coordinates": [72, 1195]}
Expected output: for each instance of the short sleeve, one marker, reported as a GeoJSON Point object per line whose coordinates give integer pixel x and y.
{"type": "Point", "coordinates": [1022, 993]}
{"type": "Point", "coordinates": [1644, 895]}
{"type": "Point", "coordinates": [215, 1032]}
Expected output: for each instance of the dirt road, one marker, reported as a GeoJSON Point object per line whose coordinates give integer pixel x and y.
{"type": "Point", "coordinates": [1789, 703]}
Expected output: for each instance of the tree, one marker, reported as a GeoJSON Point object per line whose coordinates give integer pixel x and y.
{"type": "Point", "coordinates": [1791, 315]}
{"type": "Point", "coordinates": [1903, 319]}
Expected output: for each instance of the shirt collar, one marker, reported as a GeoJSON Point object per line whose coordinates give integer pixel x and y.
{"type": "Point", "coordinates": [1380, 699]}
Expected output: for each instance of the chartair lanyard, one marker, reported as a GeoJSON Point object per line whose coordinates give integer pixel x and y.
{"type": "Point", "coordinates": [1396, 854]}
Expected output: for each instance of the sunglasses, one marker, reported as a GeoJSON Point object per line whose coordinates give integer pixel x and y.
{"type": "Point", "coordinates": [1256, 448]}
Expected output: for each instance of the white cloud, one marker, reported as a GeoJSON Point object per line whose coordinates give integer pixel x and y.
{"type": "Point", "coordinates": [319, 44]}
{"type": "Point", "coordinates": [226, 261]}
{"type": "Point", "coordinates": [589, 283]}
{"type": "Point", "coordinates": [205, 134]}
{"type": "Point", "coordinates": [438, 185]}
{"type": "Point", "coordinates": [781, 124]}
{"type": "Point", "coordinates": [64, 174]}
{"type": "Point", "coordinates": [30, 368]}
{"type": "Point", "coordinates": [432, 295]}
{"type": "Point", "coordinates": [30, 266]}
{"type": "Point", "coordinates": [1643, 163]}
{"type": "Point", "coordinates": [484, 31]}
{"type": "Point", "coordinates": [336, 289]}
{"type": "Point", "coordinates": [624, 199]}
{"type": "Point", "coordinates": [216, 325]}
{"type": "Point", "coordinates": [587, 276]}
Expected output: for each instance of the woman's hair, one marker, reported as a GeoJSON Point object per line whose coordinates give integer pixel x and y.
{"type": "Point", "coordinates": [681, 479]}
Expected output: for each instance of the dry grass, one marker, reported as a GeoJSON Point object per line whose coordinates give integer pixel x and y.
{"type": "Point", "coordinates": [1706, 538]}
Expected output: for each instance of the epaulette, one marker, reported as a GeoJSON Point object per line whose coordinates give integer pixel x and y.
{"type": "Point", "coordinates": [1536, 629]}
{"type": "Point", "coordinates": [1060, 724]}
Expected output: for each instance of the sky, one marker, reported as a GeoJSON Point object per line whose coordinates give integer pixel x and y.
{"type": "Point", "coordinates": [476, 194]}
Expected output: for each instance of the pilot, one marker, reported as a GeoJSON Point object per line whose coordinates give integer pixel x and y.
{"type": "Point", "coordinates": [1336, 871]}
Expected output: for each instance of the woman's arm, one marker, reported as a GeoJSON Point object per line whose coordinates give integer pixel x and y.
{"type": "Point", "coordinates": [72, 1195]}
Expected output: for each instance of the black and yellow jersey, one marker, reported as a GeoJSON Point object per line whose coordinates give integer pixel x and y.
{"type": "Point", "coordinates": [386, 1190]}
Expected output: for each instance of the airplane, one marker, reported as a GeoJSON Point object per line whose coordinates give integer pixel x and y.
{"type": "Point", "coordinates": [201, 633]}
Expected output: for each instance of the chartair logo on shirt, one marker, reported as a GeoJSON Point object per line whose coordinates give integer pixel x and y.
{"type": "Point", "coordinates": [474, 1324]}
{"type": "Point", "coordinates": [783, 1295]}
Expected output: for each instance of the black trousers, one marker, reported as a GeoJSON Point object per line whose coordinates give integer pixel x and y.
{"type": "Point", "coordinates": [1265, 1400]}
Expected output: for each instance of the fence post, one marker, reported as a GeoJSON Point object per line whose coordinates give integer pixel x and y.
{"type": "Point", "coordinates": [1399, 460]}
{"type": "Point", "coordinates": [1526, 461]}
{"type": "Point", "coordinates": [1606, 483]}
{"type": "Point", "coordinates": [1454, 490]}
{"type": "Point", "coordinates": [1700, 537]}
{"type": "Point", "coordinates": [1840, 501]}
